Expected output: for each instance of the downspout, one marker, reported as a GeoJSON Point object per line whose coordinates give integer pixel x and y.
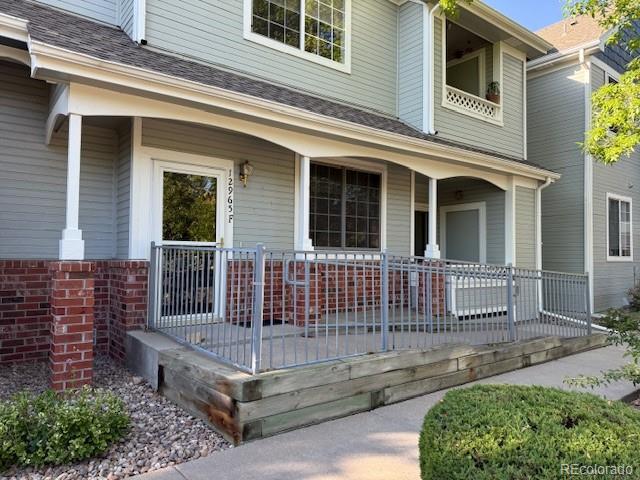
{"type": "Point", "coordinates": [588, 179]}
{"type": "Point", "coordinates": [428, 69]}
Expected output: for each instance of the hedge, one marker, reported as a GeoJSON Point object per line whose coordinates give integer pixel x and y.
{"type": "Point", "coordinates": [517, 432]}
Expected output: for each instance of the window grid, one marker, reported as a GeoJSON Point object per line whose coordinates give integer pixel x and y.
{"type": "Point", "coordinates": [322, 23]}
{"type": "Point", "coordinates": [344, 208]}
{"type": "Point", "coordinates": [619, 228]}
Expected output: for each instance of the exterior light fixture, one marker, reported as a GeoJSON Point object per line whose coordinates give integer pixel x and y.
{"type": "Point", "coordinates": [246, 170]}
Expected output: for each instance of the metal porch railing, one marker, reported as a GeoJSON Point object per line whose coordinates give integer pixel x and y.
{"type": "Point", "coordinates": [262, 309]}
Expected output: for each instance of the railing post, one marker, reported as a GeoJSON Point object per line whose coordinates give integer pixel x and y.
{"type": "Point", "coordinates": [385, 302]}
{"type": "Point", "coordinates": [258, 308]}
{"type": "Point", "coordinates": [510, 305]}
{"type": "Point", "coordinates": [153, 287]}
{"type": "Point", "coordinates": [587, 290]}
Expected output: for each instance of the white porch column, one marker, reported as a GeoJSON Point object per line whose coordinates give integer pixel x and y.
{"type": "Point", "coordinates": [71, 244]}
{"type": "Point", "coordinates": [303, 241]}
{"type": "Point", "coordinates": [433, 249]}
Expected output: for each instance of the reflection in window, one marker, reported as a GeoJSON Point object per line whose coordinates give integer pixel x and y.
{"type": "Point", "coordinates": [323, 28]}
{"type": "Point", "coordinates": [344, 208]}
{"type": "Point", "coordinates": [188, 208]}
{"type": "Point", "coordinates": [619, 228]}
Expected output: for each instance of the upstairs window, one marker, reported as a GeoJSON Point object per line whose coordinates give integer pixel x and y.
{"type": "Point", "coordinates": [314, 29]}
{"type": "Point", "coordinates": [619, 240]}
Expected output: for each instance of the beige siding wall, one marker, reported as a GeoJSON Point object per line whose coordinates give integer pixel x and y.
{"type": "Point", "coordinates": [398, 210]}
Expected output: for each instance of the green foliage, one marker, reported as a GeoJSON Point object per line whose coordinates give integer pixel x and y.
{"type": "Point", "coordinates": [189, 208]}
{"type": "Point", "coordinates": [624, 330]}
{"type": "Point", "coordinates": [53, 429]}
{"type": "Point", "coordinates": [493, 88]}
{"type": "Point", "coordinates": [506, 432]}
{"type": "Point", "coordinates": [634, 298]}
{"type": "Point", "coordinates": [615, 130]}
{"type": "Point", "coordinates": [450, 7]}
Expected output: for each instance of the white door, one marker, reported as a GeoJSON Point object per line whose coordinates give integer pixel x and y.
{"type": "Point", "coordinates": [193, 207]}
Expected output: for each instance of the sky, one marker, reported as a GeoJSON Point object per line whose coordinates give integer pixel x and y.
{"type": "Point", "coordinates": [533, 14]}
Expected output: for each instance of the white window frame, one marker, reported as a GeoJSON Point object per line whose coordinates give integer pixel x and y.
{"type": "Point", "coordinates": [620, 198]}
{"type": "Point", "coordinates": [300, 52]}
{"type": "Point", "coordinates": [481, 207]}
{"type": "Point", "coordinates": [482, 70]}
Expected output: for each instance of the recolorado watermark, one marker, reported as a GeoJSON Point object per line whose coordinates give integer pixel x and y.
{"type": "Point", "coordinates": [575, 469]}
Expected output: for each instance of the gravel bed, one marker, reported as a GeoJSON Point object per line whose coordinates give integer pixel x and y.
{"type": "Point", "coordinates": [161, 434]}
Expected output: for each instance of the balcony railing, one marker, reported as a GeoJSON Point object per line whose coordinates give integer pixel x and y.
{"type": "Point", "coordinates": [472, 105]}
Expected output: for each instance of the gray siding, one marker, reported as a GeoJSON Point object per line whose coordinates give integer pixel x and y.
{"type": "Point", "coordinates": [613, 279]}
{"type": "Point", "coordinates": [410, 64]}
{"type": "Point", "coordinates": [525, 227]}
{"type": "Point", "coordinates": [212, 31]}
{"type": "Point", "coordinates": [264, 210]}
{"type": "Point", "coordinates": [33, 175]}
{"type": "Point", "coordinates": [123, 187]}
{"type": "Point", "coordinates": [125, 12]}
{"type": "Point", "coordinates": [472, 190]}
{"type": "Point", "coordinates": [398, 210]}
{"type": "Point", "coordinates": [461, 128]}
{"type": "Point", "coordinates": [556, 124]}
{"type": "Point", "coordinates": [101, 10]}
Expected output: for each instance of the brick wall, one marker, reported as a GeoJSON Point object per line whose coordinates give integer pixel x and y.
{"type": "Point", "coordinates": [24, 310]}
{"type": "Point", "coordinates": [72, 306]}
{"type": "Point", "coordinates": [356, 287]}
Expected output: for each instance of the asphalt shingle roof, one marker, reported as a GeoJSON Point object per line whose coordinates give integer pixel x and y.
{"type": "Point", "coordinates": [81, 35]}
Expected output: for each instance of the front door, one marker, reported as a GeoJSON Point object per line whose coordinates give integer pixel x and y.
{"type": "Point", "coordinates": [463, 232]}
{"type": "Point", "coordinates": [191, 203]}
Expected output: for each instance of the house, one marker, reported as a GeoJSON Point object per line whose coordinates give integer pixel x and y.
{"type": "Point", "coordinates": [588, 218]}
{"type": "Point", "coordinates": [202, 126]}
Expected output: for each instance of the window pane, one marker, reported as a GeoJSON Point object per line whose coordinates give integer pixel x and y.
{"type": "Point", "coordinates": [324, 28]}
{"type": "Point", "coordinates": [625, 229]}
{"type": "Point", "coordinates": [325, 206]}
{"type": "Point", "coordinates": [188, 208]}
{"type": "Point", "coordinates": [278, 20]}
{"type": "Point", "coordinates": [614, 228]}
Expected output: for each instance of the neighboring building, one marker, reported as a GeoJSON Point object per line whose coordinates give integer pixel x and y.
{"type": "Point", "coordinates": [588, 219]}
{"type": "Point", "coordinates": [349, 122]}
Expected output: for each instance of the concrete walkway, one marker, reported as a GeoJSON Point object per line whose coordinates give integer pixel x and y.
{"type": "Point", "coordinates": [377, 445]}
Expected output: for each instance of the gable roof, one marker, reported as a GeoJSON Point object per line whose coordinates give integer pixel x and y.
{"type": "Point", "coordinates": [80, 35]}
{"type": "Point", "coordinates": [572, 32]}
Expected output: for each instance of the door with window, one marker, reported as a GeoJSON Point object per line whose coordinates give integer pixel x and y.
{"type": "Point", "coordinates": [190, 211]}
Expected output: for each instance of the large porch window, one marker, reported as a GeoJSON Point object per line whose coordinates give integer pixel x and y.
{"type": "Point", "coordinates": [344, 208]}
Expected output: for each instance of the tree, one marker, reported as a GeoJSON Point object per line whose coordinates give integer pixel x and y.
{"type": "Point", "coordinates": [615, 129]}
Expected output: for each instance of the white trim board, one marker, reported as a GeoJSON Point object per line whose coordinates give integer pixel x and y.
{"type": "Point", "coordinates": [482, 222]}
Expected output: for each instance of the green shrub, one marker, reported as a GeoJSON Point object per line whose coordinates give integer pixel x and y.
{"type": "Point", "coordinates": [505, 432]}
{"type": "Point", "coordinates": [53, 429]}
{"type": "Point", "coordinates": [624, 330]}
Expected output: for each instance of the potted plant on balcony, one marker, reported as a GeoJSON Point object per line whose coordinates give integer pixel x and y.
{"type": "Point", "coordinates": [493, 92]}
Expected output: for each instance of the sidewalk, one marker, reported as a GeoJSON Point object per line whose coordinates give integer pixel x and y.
{"type": "Point", "coordinates": [377, 445]}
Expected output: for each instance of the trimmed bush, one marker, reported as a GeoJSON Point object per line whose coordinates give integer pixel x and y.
{"type": "Point", "coordinates": [516, 432]}
{"type": "Point", "coordinates": [53, 429]}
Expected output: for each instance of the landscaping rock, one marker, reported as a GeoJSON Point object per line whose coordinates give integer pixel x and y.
{"type": "Point", "coordinates": [161, 433]}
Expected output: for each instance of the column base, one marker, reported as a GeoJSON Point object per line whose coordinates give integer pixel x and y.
{"type": "Point", "coordinates": [71, 246]}
{"type": "Point", "coordinates": [432, 251]}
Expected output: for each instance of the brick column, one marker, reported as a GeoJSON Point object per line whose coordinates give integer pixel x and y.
{"type": "Point", "coordinates": [72, 318]}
